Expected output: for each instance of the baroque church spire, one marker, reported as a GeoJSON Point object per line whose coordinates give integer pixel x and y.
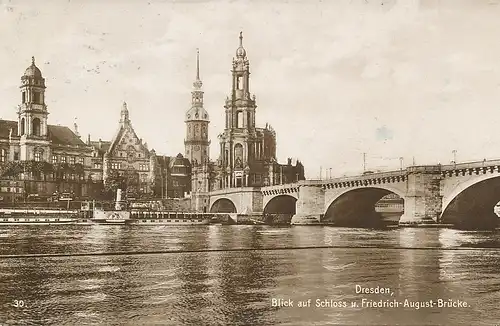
{"type": "Point", "coordinates": [197, 83]}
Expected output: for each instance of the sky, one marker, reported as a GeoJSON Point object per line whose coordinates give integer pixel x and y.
{"type": "Point", "coordinates": [335, 79]}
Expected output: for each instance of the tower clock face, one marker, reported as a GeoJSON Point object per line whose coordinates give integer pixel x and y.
{"type": "Point", "coordinates": [197, 148]}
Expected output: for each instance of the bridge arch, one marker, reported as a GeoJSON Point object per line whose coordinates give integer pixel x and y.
{"type": "Point", "coordinates": [281, 204]}
{"type": "Point", "coordinates": [223, 205]}
{"type": "Point", "coordinates": [470, 203]}
{"type": "Point", "coordinates": [356, 206]}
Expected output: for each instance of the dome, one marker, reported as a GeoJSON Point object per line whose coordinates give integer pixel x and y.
{"type": "Point", "coordinates": [197, 113]}
{"type": "Point", "coordinates": [33, 71]}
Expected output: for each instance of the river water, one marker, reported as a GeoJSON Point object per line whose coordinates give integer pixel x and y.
{"type": "Point", "coordinates": [207, 276]}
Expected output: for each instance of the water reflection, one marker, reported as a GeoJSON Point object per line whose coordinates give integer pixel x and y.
{"type": "Point", "coordinates": [237, 287]}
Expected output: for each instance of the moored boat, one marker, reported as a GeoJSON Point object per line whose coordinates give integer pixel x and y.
{"type": "Point", "coordinates": [168, 218]}
{"type": "Point", "coordinates": [37, 216]}
{"type": "Point", "coordinates": [140, 216]}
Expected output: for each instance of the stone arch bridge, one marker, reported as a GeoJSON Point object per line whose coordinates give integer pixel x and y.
{"type": "Point", "coordinates": [461, 194]}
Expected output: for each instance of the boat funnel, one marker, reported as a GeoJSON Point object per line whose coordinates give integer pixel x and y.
{"type": "Point", "coordinates": [118, 202]}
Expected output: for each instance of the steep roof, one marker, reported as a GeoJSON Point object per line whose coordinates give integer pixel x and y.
{"type": "Point", "coordinates": [5, 126]}
{"type": "Point", "coordinates": [61, 135]}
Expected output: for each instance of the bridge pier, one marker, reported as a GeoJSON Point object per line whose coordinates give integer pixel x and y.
{"type": "Point", "coordinates": [423, 199]}
{"type": "Point", "coordinates": [309, 206]}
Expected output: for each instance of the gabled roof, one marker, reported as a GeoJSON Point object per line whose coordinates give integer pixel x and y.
{"type": "Point", "coordinates": [101, 145]}
{"type": "Point", "coordinates": [169, 161]}
{"type": "Point", "coordinates": [118, 136]}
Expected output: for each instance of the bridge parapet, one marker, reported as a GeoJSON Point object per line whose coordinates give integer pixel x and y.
{"type": "Point", "coordinates": [470, 168]}
{"type": "Point", "coordinates": [471, 165]}
{"type": "Point", "coordinates": [357, 181]}
{"type": "Point", "coordinates": [227, 191]}
{"type": "Point", "coordinates": [289, 188]}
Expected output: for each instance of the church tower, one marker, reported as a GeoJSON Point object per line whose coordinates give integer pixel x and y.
{"type": "Point", "coordinates": [240, 108]}
{"type": "Point", "coordinates": [248, 153]}
{"type": "Point", "coordinates": [32, 116]}
{"type": "Point", "coordinates": [196, 143]}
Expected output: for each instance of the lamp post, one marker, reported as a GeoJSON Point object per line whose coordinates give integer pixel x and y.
{"type": "Point", "coordinates": [401, 163]}
{"type": "Point", "coordinates": [454, 157]}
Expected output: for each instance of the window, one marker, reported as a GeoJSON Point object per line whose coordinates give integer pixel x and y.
{"type": "Point", "coordinates": [24, 97]}
{"type": "Point", "coordinates": [16, 156]}
{"type": "Point", "coordinates": [239, 119]}
{"type": "Point", "coordinates": [36, 97]}
{"type": "Point", "coordinates": [249, 119]}
{"type": "Point", "coordinates": [239, 82]}
{"type": "Point", "coordinates": [71, 160]}
{"type": "Point", "coordinates": [63, 159]}
{"type": "Point", "coordinates": [36, 127]}
{"type": "Point", "coordinates": [81, 160]}
{"type": "Point", "coordinates": [54, 159]}
{"type": "Point", "coordinates": [96, 166]}
{"type": "Point", "coordinates": [3, 155]}
{"type": "Point", "coordinates": [23, 123]}
{"type": "Point", "coordinates": [38, 156]}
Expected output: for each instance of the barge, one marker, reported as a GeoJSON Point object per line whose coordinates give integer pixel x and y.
{"type": "Point", "coordinates": [37, 216]}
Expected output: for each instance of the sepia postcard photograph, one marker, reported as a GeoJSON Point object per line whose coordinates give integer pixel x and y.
{"type": "Point", "coordinates": [260, 163]}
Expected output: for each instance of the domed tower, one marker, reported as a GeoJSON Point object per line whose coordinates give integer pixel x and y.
{"type": "Point", "coordinates": [32, 116]}
{"type": "Point", "coordinates": [197, 145]}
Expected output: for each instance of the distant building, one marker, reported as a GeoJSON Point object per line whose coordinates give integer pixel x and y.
{"type": "Point", "coordinates": [38, 158]}
{"type": "Point", "coordinates": [176, 176]}
{"type": "Point", "coordinates": [146, 174]}
{"type": "Point", "coordinates": [247, 153]}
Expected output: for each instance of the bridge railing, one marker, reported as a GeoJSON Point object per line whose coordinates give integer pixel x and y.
{"type": "Point", "coordinates": [375, 175]}
{"type": "Point", "coordinates": [283, 186]}
{"type": "Point", "coordinates": [470, 165]}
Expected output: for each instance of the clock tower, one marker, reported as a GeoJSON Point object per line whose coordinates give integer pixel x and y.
{"type": "Point", "coordinates": [196, 142]}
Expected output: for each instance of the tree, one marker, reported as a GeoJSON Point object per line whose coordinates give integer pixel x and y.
{"type": "Point", "coordinates": [113, 182]}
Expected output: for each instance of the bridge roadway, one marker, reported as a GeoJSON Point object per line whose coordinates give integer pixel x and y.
{"type": "Point", "coordinates": [462, 194]}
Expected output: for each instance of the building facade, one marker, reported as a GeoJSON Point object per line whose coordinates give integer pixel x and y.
{"type": "Point", "coordinates": [247, 152]}
{"type": "Point", "coordinates": [127, 160]}
{"type": "Point", "coordinates": [36, 157]}
{"type": "Point", "coordinates": [39, 158]}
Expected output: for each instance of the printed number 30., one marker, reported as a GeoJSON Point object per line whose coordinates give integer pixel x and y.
{"type": "Point", "coordinates": [18, 303]}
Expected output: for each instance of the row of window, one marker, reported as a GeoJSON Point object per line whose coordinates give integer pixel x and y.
{"type": "Point", "coordinates": [66, 159]}
{"type": "Point", "coordinates": [11, 189]}
{"type": "Point", "coordinates": [36, 97]}
{"type": "Point", "coordinates": [36, 127]}
{"type": "Point", "coordinates": [118, 166]}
